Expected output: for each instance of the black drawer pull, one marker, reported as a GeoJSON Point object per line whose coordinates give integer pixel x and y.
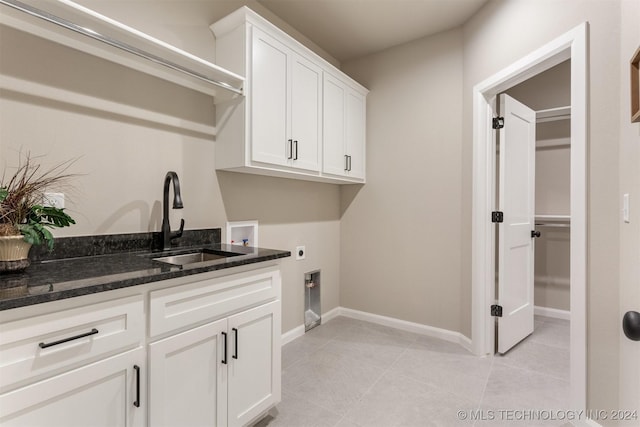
{"type": "Point", "coordinates": [62, 341]}
{"type": "Point", "coordinates": [137, 401]}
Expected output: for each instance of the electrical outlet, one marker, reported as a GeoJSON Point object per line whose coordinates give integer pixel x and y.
{"type": "Point", "coordinates": [301, 252]}
{"type": "Point", "coordinates": [54, 200]}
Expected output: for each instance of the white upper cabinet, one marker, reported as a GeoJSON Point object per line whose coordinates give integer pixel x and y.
{"type": "Point", "coordinates": [343, 129]}
{"type": "Point", "coordinates": [277, 128]}
{"type": "Point", "coordinates": [285, 106]}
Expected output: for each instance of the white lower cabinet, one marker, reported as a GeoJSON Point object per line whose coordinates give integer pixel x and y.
{"type": "Point", "coordinates": [253, 370]}
{"type": "Point", "coordinates": [106, 393]}
{"type": "Point", "coordinates": [186, 378]}
{"type": "Point", "coordinates": [216, 359]}
{"type": "Point", "coordinates": [211, 344]}
{"type": "Point", "coordinates": [218, 374]}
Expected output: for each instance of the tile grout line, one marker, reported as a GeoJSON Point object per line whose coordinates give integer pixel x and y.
{"type": "Point", "coordinates": [373, 385]}
{"type": "Point", "coordinates": [486, 384]}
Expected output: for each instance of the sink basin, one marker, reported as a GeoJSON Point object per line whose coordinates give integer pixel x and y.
{"type": "Point", "coordinates": [202, 255]}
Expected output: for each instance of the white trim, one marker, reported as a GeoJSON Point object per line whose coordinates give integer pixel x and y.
{"type": "Point", "coordinates": [334, 312]}
{"type": "Point", "coordinates": [417, 328]}
{"type": "Point", "coordinates": [298, 331]}
{"type": "Point", "coordinates": [292, 334]}
{"type": "Point", "coordinates": [552, 312]}
{"type": "Point", "coordinates": [574, 45]}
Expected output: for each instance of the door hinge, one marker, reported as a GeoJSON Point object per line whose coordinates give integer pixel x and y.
{"type": "Point", "coordinates": [497, 216]}
{"type": "Point", "coordinates": [496, 310]}
{"type": "Point", "coordinates": [498, 122]}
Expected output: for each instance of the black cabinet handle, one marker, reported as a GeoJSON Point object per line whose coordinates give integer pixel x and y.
{"type": "Point", "coordinates": [235, 353]}
{"type": "Point", "coordinates": [137, 401]}
{"type": "Point", "coordinates": [290, 155]}
{"type": "Point", "coordinates": [349, 163]}
{"type": "Point", "coordinates": [346, 162]}
{"type": "Point", "coordinates": [224, 350]}
{"type": "Point", "coordinates": [296, 145]}
{"type": "Point", "coordinates": [535, 233]}
{"type": "Point", "coordinates": [631, 325]}
{"type": "Point", "coordinates": [62, 341]}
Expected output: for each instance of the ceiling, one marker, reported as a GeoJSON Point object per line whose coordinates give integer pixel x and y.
{"type": "Point", "coordinates": [348, 29]}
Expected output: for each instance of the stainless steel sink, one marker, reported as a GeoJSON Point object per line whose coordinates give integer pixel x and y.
{"type": "Point", "coordinates": [202, 255]}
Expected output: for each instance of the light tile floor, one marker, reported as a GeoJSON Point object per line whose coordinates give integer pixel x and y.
{"type": "Point", "coordinates": [350, 373]}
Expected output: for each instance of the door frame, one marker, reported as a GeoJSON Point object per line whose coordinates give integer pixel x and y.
{"type": "Point", "coordinates": [571, 45]}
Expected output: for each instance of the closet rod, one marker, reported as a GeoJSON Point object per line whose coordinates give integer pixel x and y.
{"type": "Point", "coordinates": [30, 10]}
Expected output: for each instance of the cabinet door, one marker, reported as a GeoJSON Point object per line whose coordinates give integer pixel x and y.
{"type": "Point", "coordinates": [333, 127]}
{"type": "Point", "coordinates": [187, 385]}
{"type": "Point", "coordinates": [254, 364]}
{"type": "Point", "coordinates": [101, 394]}
{"type": "Point", "coordinates": [355, 134]}
{"type": "Point", "coordinates": [269, 99]}
{"type": "Point", "coordinates": [306, 84]}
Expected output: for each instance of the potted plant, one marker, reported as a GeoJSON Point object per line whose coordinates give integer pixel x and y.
{"type": "Point", "coordinates": [24, 220]}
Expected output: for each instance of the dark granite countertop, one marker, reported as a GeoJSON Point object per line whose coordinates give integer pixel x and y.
{"type": "Point", "coordinates": [90, 264]}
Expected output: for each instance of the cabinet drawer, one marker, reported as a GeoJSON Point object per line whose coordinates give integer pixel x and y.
{"type": "Point", "coordinates": [205, 300]}
{"type": "Point", "coordinates": [40, 346]}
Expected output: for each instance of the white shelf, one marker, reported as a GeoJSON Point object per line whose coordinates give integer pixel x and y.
{"type": "Point", "coordinates": [553, 114]}
{"type": "Point", "coordinates": [80, 28]}
{"type": "Point", "coordinates": [552, 218]}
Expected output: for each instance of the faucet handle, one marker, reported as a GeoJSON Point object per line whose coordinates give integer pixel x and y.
{"type": "Point", "coordinates": [181, 228]}
{"type": "Point", "coordinates": [176, 234]}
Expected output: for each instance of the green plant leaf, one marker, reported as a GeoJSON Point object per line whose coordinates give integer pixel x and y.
{"type": "Point", "coordinates": [4, 192]}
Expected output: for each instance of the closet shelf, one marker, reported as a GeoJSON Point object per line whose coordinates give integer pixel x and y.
{"type": "Point", "coordinates": [543, 218]}
{"type": "Point", "coordinates": [553, 114]}
{"type": "Point", "coordinates": [80, 28]}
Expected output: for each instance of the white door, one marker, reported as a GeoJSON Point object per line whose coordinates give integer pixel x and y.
{"type": "Point", "coordinates": [254, 363]}
{"type": "Point", "coordinates": [515, 243]}
{"type": "Point", "coordinates": [107, 393]}
{"type": "Point", "coordinates": [355, 134]}
{"type": "Point", "coordinates": [187, 378]}
{"type": "Point", "coordinates": [269, 98]}
{"type": "Point", "coordinates": [306, 85]}
{"type": "Point", "coordinates": [334, 158]}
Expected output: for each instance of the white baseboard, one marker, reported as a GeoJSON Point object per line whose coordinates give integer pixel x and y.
{"type": "Point", "coordinates": [335, 312]}
{"type": "Point", "coordinates": [298, 331]}
{"type": "Point", "coordinates": [590, 423]}
{"type": "Point", "coordinates": [417, 328]}
{"type": "Point", "coordinates": [292, 334]}
{"type": "Point", "coordinates": [552, 312]}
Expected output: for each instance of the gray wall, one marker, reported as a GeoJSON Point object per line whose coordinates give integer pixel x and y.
{"type": "Point", "coordinates": [401, 235]}
{"type": "Point", "coordinates": [629, 232]}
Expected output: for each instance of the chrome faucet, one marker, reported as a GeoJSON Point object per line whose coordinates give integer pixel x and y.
{"type": "Point", "coordinates": [167, 234]}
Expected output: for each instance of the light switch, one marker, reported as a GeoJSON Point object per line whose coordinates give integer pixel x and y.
{"type": "Point", "coordinates": [625, 207]}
